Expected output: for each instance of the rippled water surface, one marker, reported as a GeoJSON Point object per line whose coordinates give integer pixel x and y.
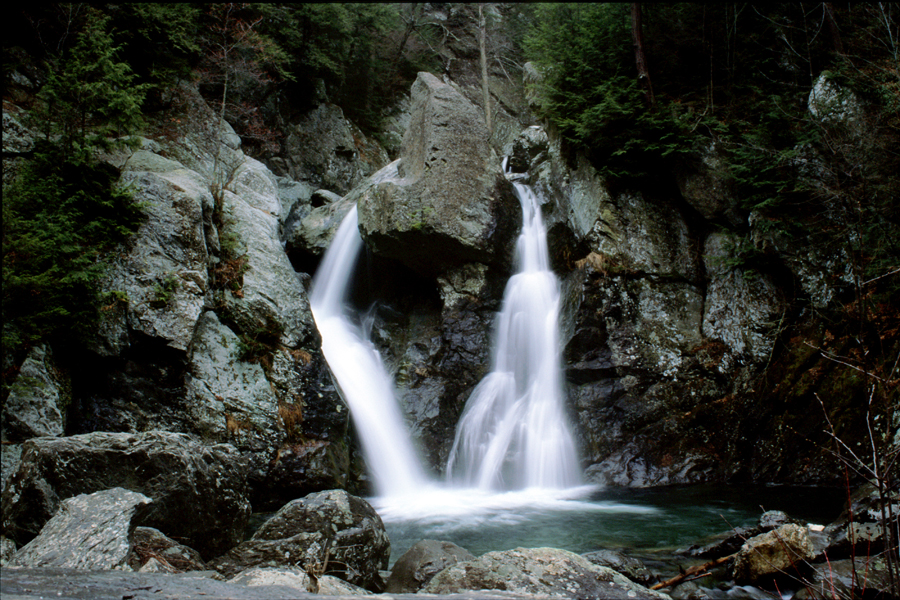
{"type": "Point", "coordinates": [586, 519]}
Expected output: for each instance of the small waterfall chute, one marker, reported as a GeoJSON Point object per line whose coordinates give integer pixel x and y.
{"type": "Point", "coordinates": [514, 433]}
{"type": "Point", "coordinates": [362, 379]}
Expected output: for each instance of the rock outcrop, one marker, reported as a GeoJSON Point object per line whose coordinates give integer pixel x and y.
{"type": "Point", "coordinates": [92, 532]}
{"type": "Point", "coordinates": [180, 475]}
{"type": "Point", "coordinates": [452, 203]}
{"type": "Point", "coordinates": [331, 527]}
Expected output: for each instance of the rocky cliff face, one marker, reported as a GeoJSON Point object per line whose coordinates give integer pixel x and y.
{"type": "Point", "coordinates": [676, 363]}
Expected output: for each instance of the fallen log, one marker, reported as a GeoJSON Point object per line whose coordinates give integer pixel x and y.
{"type": "Point", "coordinates": [692, 571]}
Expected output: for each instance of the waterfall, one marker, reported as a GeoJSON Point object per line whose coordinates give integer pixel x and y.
{"type": "Point", "coordinates": [360, 374]}
{"type": "Point", "coordinates": [513, 433]}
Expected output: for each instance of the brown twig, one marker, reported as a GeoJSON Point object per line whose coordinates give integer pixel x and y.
{"type": "Point", "coordinates": [693, 571]}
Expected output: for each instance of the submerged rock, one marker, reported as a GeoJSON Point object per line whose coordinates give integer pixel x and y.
{"type": "Point", "coordinates": [90, 531]}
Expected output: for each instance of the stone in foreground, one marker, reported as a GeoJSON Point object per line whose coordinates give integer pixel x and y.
{"type": "Point", "coordinates": [421, 563]}
{"type": "Point", "coordinates": [546, 571]}
{"type": "Point", "coordinates": [91, 532]}
{"type": "Point", "coordinates": [199, 492]}
{"type": "Point", "coordinates": [334, 526]}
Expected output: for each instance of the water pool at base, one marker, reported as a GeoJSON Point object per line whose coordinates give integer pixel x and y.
{"type": "Point", "coordinates": [642, 522]}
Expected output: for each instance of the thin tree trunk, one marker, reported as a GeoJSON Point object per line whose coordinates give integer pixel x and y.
{"type": "Point", "coordinates": [484, 72]}
{"type": "Point", "coordinates": [637, 38]}
{"type": "Point", "coordinates": [833, 28]}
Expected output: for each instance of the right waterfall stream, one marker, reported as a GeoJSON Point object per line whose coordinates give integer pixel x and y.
{"type": "Point", "coordinates": [514, 432]}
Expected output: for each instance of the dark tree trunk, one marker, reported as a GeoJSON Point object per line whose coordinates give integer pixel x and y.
{"type": "Point", "coordinates": [637, 38]}
{"type": "Point", "coordinates": [833, 28]}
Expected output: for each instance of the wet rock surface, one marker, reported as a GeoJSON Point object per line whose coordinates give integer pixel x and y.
{"type": "Point", "coordinates": [324, 528]}
{"type": "Point", "coordinates": [182, 477]}
{"type": "Point", "coordinates": [91, 532]}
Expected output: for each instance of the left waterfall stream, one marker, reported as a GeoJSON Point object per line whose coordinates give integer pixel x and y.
{"type": "Point", "coordinates": [362, 379]}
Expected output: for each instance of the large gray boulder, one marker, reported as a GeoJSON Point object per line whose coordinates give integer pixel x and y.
{"type": "Point", "coordinates": [539, 571]}
{"type": "Point", "coordinates": [89, 531]}
{"type": "Point", "coordinates": [452, 204]}
{"type": "Point", "coordinates": [37, 399]}
{"type": "Point", "coordinates": [421, 563]}
{"type": "Point", "coordinates": [333, 527]}
{"type": "Point", "coordinates": [199, 492]}
{"type": "Point", "coordinates": [778, 553]}
{"type": "Point", "coordinates": [831, 102]}
{"type": "Point", "coordinates": [162, 279]}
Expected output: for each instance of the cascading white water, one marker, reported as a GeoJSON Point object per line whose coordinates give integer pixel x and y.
{"type": "Point", "coordinates": [360, 374]}
{"type": "Point", "coordinates": [514, 433]}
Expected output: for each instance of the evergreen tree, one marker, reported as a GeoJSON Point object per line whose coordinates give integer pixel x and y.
{"type": "Point", "coordinates": [64, 211]}
{"type": "Point", "coordinates": [90, 101]}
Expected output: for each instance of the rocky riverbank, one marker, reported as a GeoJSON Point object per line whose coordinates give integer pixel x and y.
{"type": "Point", "coordinates": [334, 544]}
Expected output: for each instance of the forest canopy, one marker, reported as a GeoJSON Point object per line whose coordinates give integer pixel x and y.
{"type": "Point", "coordinates": [639, 89]}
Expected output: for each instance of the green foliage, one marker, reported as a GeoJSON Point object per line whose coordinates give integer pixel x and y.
{"type": "Point", "coordinates": [62, 219]}
{"type": "Point", "coordinates": [90, 99]}
{"type": "Point", "coordinates": [163, 291]}
{"type": "Point", "coordinates": [159, 40]}
{"type": "Point", "coordinates": [590, 92]}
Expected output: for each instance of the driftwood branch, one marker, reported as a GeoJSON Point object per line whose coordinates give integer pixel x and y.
{"type": "Point", "coordinates": [696, 569]}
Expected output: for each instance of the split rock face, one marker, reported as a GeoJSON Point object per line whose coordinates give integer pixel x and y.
{"type": "Point", "coordinates": [451, 204]}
